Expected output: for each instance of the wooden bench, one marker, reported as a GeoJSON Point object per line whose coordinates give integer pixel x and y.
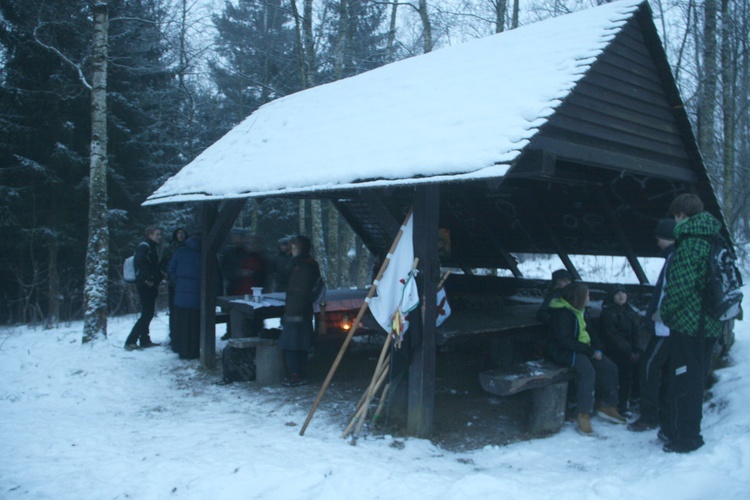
{"type": "Point", "coordinates": [264, 354]}
{"type": "Point", "coordinates": [548, 384]}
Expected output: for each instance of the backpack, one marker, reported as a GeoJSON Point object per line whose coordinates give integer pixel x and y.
{"type": "Point", "coordinates": [128, 267]}
{"type": "Point", "coordinates": [723, 295]}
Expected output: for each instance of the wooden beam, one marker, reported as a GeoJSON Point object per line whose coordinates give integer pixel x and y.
{"type": "Point", "coordinates": [421, 405]}
{"type": "Point", "coordinates": [222, 223]}
{"type": "Point", "coordinates": [612, 161]}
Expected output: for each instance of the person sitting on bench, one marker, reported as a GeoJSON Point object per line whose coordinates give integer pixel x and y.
{"type": "Point", "coordinates": [572, 345]}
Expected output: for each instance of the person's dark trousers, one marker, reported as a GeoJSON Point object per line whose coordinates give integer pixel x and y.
{"type": "Point", "coordinates": [688, 368]}
{"type": "Point", "coordinates": [140, 330]}
{"type": "Point", "coordinates": [625, 374]}
{"type": "Point", "coordinates": [170, 296]}
{"type": "Point", "coordinates": [296, 363]}
{"type": "Point", "coordinates": [589, 374]}
{"type": "Point", "coordinates": [653, 368]}
{"type": "Point", "coordinates": [606, 381]}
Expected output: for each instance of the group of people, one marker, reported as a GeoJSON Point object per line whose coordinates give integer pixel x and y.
{"type": "Point", "coordinates": [294, 271]}
{"type": "Point", "coordinates": [181, 263]}
{"type": "Point", "coordinates": [663, 358]}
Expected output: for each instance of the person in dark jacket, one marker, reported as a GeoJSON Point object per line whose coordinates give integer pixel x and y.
{"type": "Point", "coordinates": [147, 278]}
{"type": "Point", "coordinates": [624, 341]}
{"type": "Point", "coordinates": [185, 271]}
{"type": "Point", "coordinates": [297, 322]}
{"type": "Point", "coordinates": [280, 266]}
{"type": "Point", "coordinates": [572, 345]}
{"type": "Point", "coordinates": [692, 332]}
{"type": "Point", "coordinates": [179, 236]}
{"type": "Point", "coordinates": [560, 279]}
{"type": "Point", "coordinates": [655, 359]}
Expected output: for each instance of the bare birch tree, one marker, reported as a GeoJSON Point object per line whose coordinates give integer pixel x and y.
{"type": "Point", "coordinates": [97, 251]}
{"type": "Point", "coordinates": [707, 101]}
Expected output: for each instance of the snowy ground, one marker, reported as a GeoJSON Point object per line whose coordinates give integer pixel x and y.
{"type": "Point", "coordinates": [97, 421]}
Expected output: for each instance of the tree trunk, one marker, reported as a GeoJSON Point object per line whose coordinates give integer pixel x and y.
{"type": "Point", "coordinates": [514, 18]}
{"type": "Point", "coordinates": [307, 33]}
{"type": "Point", "coordinates": [426, 26]}
{"type": "Point", "coordinates": [707, 103]}
{"type": "Point", "coordinates": [500, 7]}
{"type": "Point", "coordinates": [334, 249]}
{"type": "Point", "coordinates": [302, 217]}
{"type": "Point", "coordinates": [300, 44]}
{"type": "Point", "coordinates": [348, 244]}
{"type": "Point", "coordinates": [97, 251]}
{"type": "Point", "coordinates": [317, 237]}
{"type": "Point", "coordinates": [53, 308]}
{"type": "Point", "coordinates": [728, 108]}
{"type": "Point", "coordinates": [389, 51]}
{"type": "Point", "coordinates": [341, 41]}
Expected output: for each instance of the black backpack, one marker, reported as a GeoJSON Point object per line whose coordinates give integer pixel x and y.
{"type": "Point", "coordinates": [723, 297]}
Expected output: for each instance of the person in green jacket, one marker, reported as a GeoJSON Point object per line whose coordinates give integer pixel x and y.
{"type": "Point", "coordinates": [693, 332]}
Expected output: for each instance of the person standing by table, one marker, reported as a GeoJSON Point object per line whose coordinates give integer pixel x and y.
{"type": "Point", "coordinates": [297, 322]}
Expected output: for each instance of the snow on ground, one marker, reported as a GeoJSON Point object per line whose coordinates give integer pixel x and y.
{"type": "Point", "coordinates": [96, 421]}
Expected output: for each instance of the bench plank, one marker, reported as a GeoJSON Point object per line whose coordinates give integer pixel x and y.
{"type": "Point", "coordinates": [522, 377]}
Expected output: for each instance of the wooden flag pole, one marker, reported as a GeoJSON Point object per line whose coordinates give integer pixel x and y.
{"type": "Point", "coordinates": [377, 378]}
{"type": "Point", "coordinates": [349, 335]}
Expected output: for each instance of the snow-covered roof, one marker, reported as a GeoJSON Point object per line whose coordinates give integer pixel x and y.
{"type": "Point", "coordinates": [459, 113]}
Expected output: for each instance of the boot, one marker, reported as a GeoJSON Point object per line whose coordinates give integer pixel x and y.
{"type": "Point", "coordinates": [584, 424]}
{"type": "Point", "coordinates": [611, 414]}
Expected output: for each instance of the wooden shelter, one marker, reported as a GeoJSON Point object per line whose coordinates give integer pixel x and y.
{"type": "Point", "coordinates": [590, 173]}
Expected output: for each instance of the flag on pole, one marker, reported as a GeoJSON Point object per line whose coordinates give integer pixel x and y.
{"type": "Point", "coordinates": [443, 307]}
{"type": "Point", "coordinates": [397, 289]}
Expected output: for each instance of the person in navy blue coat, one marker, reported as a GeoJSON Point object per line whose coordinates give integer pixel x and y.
{"type": "Point", "coordinates": [185, 272]}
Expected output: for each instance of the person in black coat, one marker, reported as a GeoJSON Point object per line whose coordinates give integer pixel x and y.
{"type": "Point", "coordinates": [624, 341]}
{"type": "Point", "coordinates": [655, 359]}
{"type": "Point", "coordinates": [572, 345]}
{"type": "Point", "coordinates": [179, 236]}
{"type": "Point", "coordinates": [297, 322]}
{"type": "Point", "coordinates": [185, 271]}
{"type": "Point", "coordinates": [148, 275]}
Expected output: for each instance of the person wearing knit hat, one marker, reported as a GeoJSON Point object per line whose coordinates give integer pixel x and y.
{"type": "Point", "coordinates": [560, 279]}
{"type": "Point", "coordinates": [652, 372]}
{"type": "Point", "coordinates": [623, 339]}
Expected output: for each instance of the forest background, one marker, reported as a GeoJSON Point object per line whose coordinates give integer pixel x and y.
{"type": "Point", "coordinates": [175, 75]}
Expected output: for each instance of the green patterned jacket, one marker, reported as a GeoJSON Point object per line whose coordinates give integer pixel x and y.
{"type": "Point", "coordinates": [687, 276]}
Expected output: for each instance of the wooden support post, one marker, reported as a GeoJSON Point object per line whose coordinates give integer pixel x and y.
{"type": "Point", "coordinates": [215, 224]}
{"type": "Point", "coordinates": [421, 403]}
{"type": "Point", "coordinates": [209, 211]}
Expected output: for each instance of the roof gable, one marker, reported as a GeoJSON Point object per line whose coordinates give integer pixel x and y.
{"type": "Point", "coordinates": [460, 113]}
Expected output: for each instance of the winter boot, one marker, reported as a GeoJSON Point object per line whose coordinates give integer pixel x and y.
{"type": "Point", "coordinates": [611, 414]}
{"type": "Point", "coordinates": [584, 424]}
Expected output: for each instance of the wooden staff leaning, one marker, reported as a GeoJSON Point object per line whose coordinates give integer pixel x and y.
{"type": "Point", "coordinates": [350, 334]}
{"type": "Point", "coordinates": [378, 377]}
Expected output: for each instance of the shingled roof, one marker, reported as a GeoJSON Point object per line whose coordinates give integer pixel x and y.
{"type": "Point", "coordinates": [565, 136]}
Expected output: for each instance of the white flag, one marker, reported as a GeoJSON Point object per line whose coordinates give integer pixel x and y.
{"type": "Point", "coordinates": [443, 307]}
{"type": "Point", "coordinates": [397, 289]}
